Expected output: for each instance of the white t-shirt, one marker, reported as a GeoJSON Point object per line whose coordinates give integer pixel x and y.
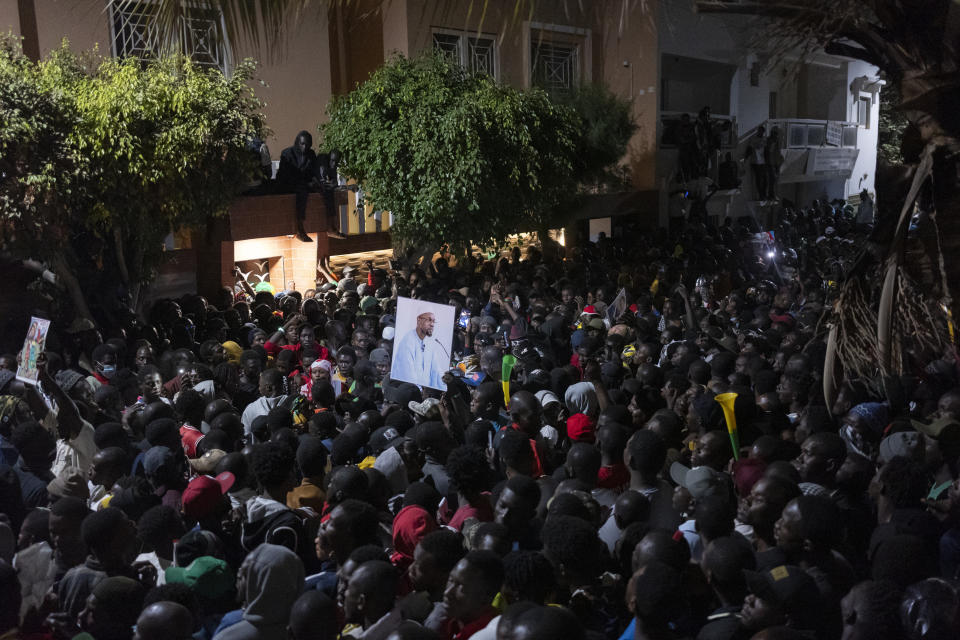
{"type": "Point", "coordinates": [76, 452]}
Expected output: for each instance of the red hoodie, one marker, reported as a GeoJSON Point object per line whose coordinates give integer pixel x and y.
{"type": "Point", "coordinates": [409, 527]}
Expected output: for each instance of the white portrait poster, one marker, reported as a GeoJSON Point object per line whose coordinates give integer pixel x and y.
{"type": "Point", "coordinates": [421, 348]}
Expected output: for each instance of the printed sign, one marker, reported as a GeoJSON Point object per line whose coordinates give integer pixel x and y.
{"type": "Point", "coordinates": [32, 347]}
{"type": "Point", "coordinates": [424, 335]}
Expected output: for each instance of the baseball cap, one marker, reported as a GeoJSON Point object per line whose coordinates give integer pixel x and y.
{"type": "Point", "coordinates": [203, 493]}
{"type": "Point", "coordinates": [936, 428]}
{"type": "Point", "coordinates": [523, 349]}
{"type": "Point", "coordinates": [384, 438]}
{"type": "Point", "coordinates": [208, 576]}
{"type": "Point", "coordinates": [206, 463]}
{"type": "Point", "coordinates": [547, 398]}
{"type": "Point", "coordinates": [71, 482]}
{"type": "Point", "coordinates": [155, 458]}
{"type": "Point", "coordinates": [589, 310]}
{"type": "Point", "coordinates": [699, 481]}
{"type": "Point", "coordinates": [788, 587]}
{"type": "Point", "coordinates": [551, 435]}
{"type": "Point", "coordinates": [194, 544]}
{"type": "Point", "coordinates": [580, 428]}
{"type": "Point", "coordinates": [429, 409]}
{"type": "Point", "coordinates": [902, 443]}
{"type": "Point", "coordinates": [596, 323]}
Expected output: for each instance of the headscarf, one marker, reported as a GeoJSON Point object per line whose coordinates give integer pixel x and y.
{"type": "Point", "coordinates": [233, 351]}
{"type": "Point", "coordinates": [876, 417]}
{"type": "Point", "coordinates": [322, 364]}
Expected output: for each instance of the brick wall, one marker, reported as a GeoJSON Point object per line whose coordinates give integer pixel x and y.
{"type": "Point", "coordinates": [290, 258]}
{"type": "Point", "coordinates": [271, 216]}
{"type": "Point", "coordinates": [262, 227]}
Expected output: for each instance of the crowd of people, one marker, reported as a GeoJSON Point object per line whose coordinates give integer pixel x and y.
{"type": "Point", "coordinates": [245, 466]}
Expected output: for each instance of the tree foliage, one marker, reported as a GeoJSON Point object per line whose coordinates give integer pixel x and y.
{"type": "Point", "coordinates": [455, 156]}
{"type": "Point", "coordinates": [101, 159]}
{"type": "Point", "coordinates": [606, 126]}
{"type": "Point", "coordinates": [892, 125]}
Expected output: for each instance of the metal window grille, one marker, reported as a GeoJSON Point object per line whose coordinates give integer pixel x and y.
{"type": "Point", "coordinates": [476, 54]}
{"type": "Point", "coordinates": [135, 36]}
{"type": "Point", "coordinates": [132, 34]}
{"type": "Point", "coordinates": [449, 45]}
{"type": "Point", "coordinates": [556, 66]}
{"type": "Point", "coordinates": [481, 58]}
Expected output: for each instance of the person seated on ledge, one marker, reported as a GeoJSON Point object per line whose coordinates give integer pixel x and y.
{"type": "Point", "coordinates": [295, 175]}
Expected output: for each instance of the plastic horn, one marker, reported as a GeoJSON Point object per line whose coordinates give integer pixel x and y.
{"type": "Point", "coordinates": [507, 368]}
{"type": "Point", "coordinates": [726, 401]}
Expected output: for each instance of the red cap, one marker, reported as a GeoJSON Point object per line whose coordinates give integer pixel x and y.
{"type": "Point", "coordinates": [590, 310]}
{"type": "Point", "coordinates": [580, 428]}
{"type": "Point", "coordinates": [204, 493]}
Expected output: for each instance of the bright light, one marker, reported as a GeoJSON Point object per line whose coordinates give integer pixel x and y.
{"type": "Point", "coordinates": [771, 254]}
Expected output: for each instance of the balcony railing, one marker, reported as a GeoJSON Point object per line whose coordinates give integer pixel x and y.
{"type": "Point", "coordinates": [811, 150]}
{"type": "Point", "coordinates": [799, 133]}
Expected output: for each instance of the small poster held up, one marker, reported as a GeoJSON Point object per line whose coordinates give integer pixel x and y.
{"type": "Point", "coordinates": [33, 346]}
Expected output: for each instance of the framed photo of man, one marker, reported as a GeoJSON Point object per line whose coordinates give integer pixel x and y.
{"type": "Point", "coordinates": [421, 348]}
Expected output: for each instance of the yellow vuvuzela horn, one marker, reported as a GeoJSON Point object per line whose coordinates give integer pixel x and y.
{"type": "Point", "coordinates": [726, 401]}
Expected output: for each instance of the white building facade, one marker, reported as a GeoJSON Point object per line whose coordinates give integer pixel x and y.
{"type": "Point", "coordinates": [826, 108]}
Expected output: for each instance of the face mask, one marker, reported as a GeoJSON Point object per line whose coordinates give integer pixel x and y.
{"type": "Point", "coordinates": [108, 370]}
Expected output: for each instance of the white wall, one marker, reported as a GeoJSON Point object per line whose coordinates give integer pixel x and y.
{"type": "Point", "coordinates": [867, 138]}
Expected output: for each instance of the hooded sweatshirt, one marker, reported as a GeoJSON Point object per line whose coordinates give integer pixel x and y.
{"type": "Point", "coordinates": [259, 407]}
{"type": "Point", "coordinates": [274, 580]}
{"type": "Point", "coordinates": [582, 398]}
{"type": "Point", "coordinates": [409, 528]}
